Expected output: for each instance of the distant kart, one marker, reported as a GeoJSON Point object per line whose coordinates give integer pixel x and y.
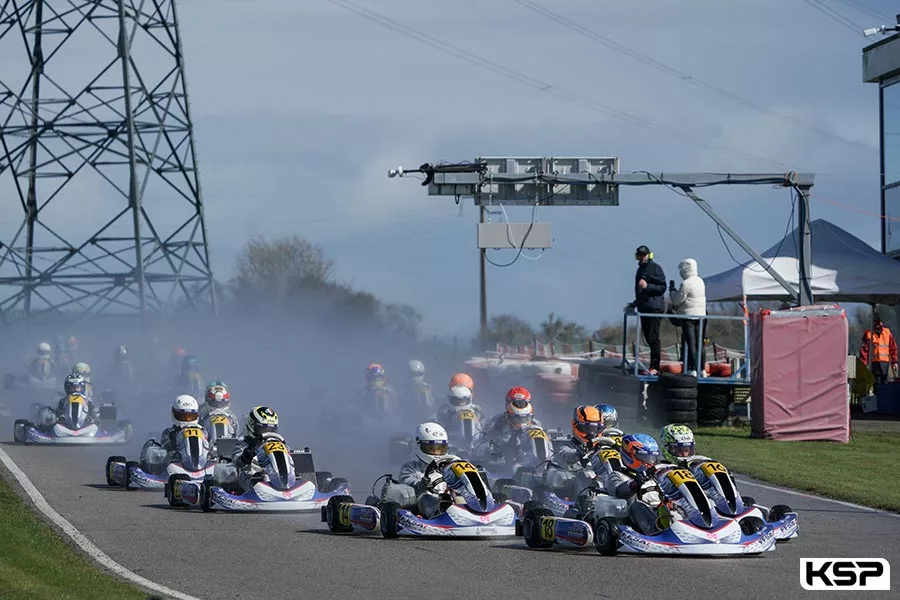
{"type": "Point", "coordinates": [288, 482]}
{"type": "Point", "coordinates": [26, 381]}
{"type": "Point", "coordinates": [74, 427]}
{"type": "Point", "coordinates": [470, 510]}
{"type": "Point", "coordinates": [192, 459]}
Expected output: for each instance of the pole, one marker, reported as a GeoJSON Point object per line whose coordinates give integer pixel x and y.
{"type": "Point", "coordinates": [804, 249]}
{"type": "Point", "coordinates": [37, 71]}
{"type": "Point", "coordinates": [483, 267]}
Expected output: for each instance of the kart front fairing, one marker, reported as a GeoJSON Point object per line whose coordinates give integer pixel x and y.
{"type": "Point", "coordinates": [785, 528]}
{"type": "Point", "coordinates": [141, 479]}
{"type": "Point", "coordinates": [90, 434]}
{"type": "Point", "coordinates": [459, 521]}
{"type": "Point", "coordinates": [684, 538]}
{"type": "Point", "coordinates": [302, 497]}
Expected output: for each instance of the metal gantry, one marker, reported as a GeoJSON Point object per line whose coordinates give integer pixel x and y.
{"type": "Point", "coordinates": [100, 193]}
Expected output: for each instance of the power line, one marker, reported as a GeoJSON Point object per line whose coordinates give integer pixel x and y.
{"type": "Point", "coordinates": [857, 5]}
{"type": "Point", "coordinates": [835, 16]}
{"type": "Point", "coordinates": [681, 75]}
{"type": "Point", "coordinates": [551, 89]}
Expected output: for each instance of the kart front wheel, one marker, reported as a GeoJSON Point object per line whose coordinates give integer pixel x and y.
{"type": "Point", "coordinates": [531, 528]}
{"type": "Point", "coordinates": [170, 489]}
{"type": "Point", "coordinates": [751, 525]}
{"type": "Point", "coordinates": [109, 468]}
{"type": "Point", "coordinates": [333, 514]}
{"type": "Point", "coordinates": [777, 512]}
{"type": "Point", "coordinates": [390, 525]}
{"type": "Point", "coordinates": [606, 537]}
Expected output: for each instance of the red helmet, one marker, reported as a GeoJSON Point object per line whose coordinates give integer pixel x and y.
{"type": "Point", "coordinates": [518, 396]}
{"type": "Point", "coordinates": [180, 351]}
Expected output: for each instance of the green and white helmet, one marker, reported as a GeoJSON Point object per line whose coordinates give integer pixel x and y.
{"type": "Point", "coordinates": [677, 442]}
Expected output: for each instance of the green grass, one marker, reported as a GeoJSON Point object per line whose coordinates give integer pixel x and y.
{"type": "Point", "coordinates": [36, 564]}
{"type": "Point", "coordinates": [860, 472]}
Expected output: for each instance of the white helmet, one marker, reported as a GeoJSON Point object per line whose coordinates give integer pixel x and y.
{"type": "Point", "coordinates": [44, 349]}
{"type": "Point", "coordinates": [416, 368]}
{"type": "Point", "coordinates": [460, 395]}
{"type": "Point", "coordinates": [185, 411]}
{"type": "Point", "coordinates": [431, 442]}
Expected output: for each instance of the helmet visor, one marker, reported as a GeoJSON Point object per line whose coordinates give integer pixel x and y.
{"type": "Point", "coordinates": [590, 429]}
{"type": "Point", "coordinates": [681, 449]}
{"type": "Point", "coordinates": [648, 457]}
{"type": "Point", "coordinates": [459, 400]}
{"type": "Point", "coordinates": [519, 421]}
{"type": "Point", "coordinates": [518, 402]}
{"type": "Point", "coordinates": [185, 416]}
{"type": "Point", "coordinates": [435, 448]}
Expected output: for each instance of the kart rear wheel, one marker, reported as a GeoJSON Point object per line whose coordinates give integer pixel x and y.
{"type": "Point", "coordinates": [748, 501]}
{"type": "Point", "coordinates": [777, 512]}
{"type": "Point", "coordinates": [205, 494]}
{"type": "Point", "coordinates": [389, 520]}
{"type": "Point", "coordinates": [333, 514]}
{"type": "Point", "coordinates": [129, 465]}
{"type": "Point", "coordinates": [606, 536]}
{"type": "Point", "coordinates": [19, 430]}
{"type": "Point", "coordinates": [531, 528]}
{"type": "Point", "coordinates": [109, 463]}
{"type": "Point", "coordinates": [751, 525]}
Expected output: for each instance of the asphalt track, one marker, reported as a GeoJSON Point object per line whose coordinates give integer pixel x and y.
{"type": "Point", "coordinates": [249, 556]}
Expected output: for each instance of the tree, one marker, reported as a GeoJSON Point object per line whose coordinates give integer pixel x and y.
{"type": "Point", "coordinates": [509, 329]}
{"type": "Point", "coordinates": [402, 319]}
{"type": "Point", "coordinates": [556, 328]}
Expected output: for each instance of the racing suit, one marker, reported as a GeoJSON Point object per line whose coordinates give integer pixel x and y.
{"type": "Point", "coordinates": [419, 396]}
{"type": "Point", "coordinates": [155, 456]}
{"type": "Point", "coordinates": [620, 482]}
{"type": "Point", "coordinates": [367, 398]}
{"type": "Point", "coordinates": [63, 404]}
{"type": "Point", "coordinates": [447, 415]}
{"type": "Point", "coordinates": [502, 436]}
{"type": "Point", "coordinates": [428, 491]}
{"type": "Point", "coordinates": [576, 472]}
{"type": "Point", "coordinates": [41, 368]}
{"type": "Point", "coordinates": [245, 461]}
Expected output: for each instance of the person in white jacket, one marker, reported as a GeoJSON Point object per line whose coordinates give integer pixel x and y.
{"type": "Point", "coordinates": [690, 299]}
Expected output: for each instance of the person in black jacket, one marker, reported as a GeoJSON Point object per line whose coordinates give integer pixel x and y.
{"type": "Point", "coordinates": [649, 298]}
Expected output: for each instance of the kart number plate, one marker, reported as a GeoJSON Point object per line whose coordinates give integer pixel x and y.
{"type": "Point", "coordinates": [193, 432]}
{"type": "Point", "coordinates": [617, 439]}
{"type": "Point", "coordinates": [548, 525]}
{"type": "Point", "coordinates": [711, 468]}
{"type": "Point", "coordinates": [537, 434]}
{"type": "Point", "coordinates": [220, 420]}
{"type": "Point", "coordinates": [467, 415]}
{"type": "Point", "coordinates": [273, 447]}
{"type": "Point", "coordinates": [608, 454]}
{"type": "Point", "coordinates": [462, 467]}
{"type": "Point", "coordinates": [680, 476]}
{"type": "Point", "coordinates": [76, 399]}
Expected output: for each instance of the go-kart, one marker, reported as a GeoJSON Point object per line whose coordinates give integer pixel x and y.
{"type": "Point", "coordinates": [74, 427]}
{"type": "Point", "coordinates": [220, 424]}
{"type": "Point", "coordinates": [193, 458]}
{"type": "Point", "coordinates": [288, 482]}
{"type": "Point", "coordinates": [671, 516]}
{"type": "Point", "coordinates": [719, 486]}
{"type": "Point", "coordinates": [467, 508]}
{"type": "Point", "coordinates": [526, 449]}
{"type": "Point", "coordinates": [27, 381]}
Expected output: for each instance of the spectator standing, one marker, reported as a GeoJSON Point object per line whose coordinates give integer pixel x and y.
{"type": "Point", "coordinates": [884, 350]}
{"type": "Point", "coordinates": [690, 299]}
{"type": "Point", "coordinates": [649, 298]}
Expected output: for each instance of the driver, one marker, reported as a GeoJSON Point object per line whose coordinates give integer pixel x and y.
{"type": "Point", "coordinates": [610, 416]}
{"type": "Point", "coordinates": [587, 423]}
{"type": "Point", "coordinates": [623, 473]}
{"type": "Point", "coordinates": [123, 369]}
{"type": "Point", "coordinates": [185, 413]}
{"type": "Point", "coordinates": [261, 421]}
{"type": "Point", "coordinates": [678, 449]}
{"type": "Point", "coordinates": [75, 384]}
{"type": "Point", "coordinates": [420, 390]}
{"type": "Point", "coordinates": [217, 401]}
{"type": "Point", "coordinates": [42, 365]}
{"type": "Point", "coordinates": [460, 397]}
{"type": "Point", "coordinates": [461, 379]}
{"type": "Point", "coordinates": [376, 382]}
{"type": "Point", "coordinates": [519, 414]}
{"type": "Point", "coordinates": [432, 444]}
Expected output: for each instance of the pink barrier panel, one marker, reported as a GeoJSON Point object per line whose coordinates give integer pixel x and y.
{"type": "Point", "coordinates": [799, 374]}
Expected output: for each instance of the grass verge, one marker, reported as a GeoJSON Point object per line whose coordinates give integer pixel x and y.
{"type": "Point", "coordinates": [35, 563]}
{"type": "Point", "coordinates": [855, 472]}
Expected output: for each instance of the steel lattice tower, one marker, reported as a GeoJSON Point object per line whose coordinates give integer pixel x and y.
{"type": "Point", "coordinates": [97, 156]}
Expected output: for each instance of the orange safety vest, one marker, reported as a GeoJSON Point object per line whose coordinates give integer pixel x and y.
{"type": "Point", "coordinates": [881, 345]}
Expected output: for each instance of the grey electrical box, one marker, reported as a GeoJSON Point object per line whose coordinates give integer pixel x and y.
{"type": "Point", "coordinates": [512, 236]}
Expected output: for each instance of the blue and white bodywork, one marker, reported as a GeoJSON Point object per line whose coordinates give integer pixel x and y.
{"type": "Point", "coordinates": [191, 459]}
{"type": "Point", "coordinates": [73, 427]}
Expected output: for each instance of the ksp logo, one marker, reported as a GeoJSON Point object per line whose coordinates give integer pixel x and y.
{"type": "Point", "coordinates": [845, 574]}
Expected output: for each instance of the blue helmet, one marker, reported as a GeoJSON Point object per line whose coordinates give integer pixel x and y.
{"type": "Point", "coordinates": [639, 450]}
{"type": "Point", "coordinates": [610, 416]}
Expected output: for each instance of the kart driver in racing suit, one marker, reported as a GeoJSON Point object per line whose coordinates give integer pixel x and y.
{"type": "Point", "coordinates": [460, 397]}
{"type": "Point", "coordinates": [217, 400]}
{"type": "Point", "coordinates": [503, 431]}
{"type": "Point", "coordinates": [623, 473]}
{"type": "Point", "coordinates": [155, 455]}
{"type": "Point", "coordinates": [75, 384]}
{"type": "Point", "coordinates": [432, 443]}
{"type": "Point", "coordinates": [42, 366]}
{"type": "Point", "coordinates": [376, 383]}
{"type": "Point", "coordinates": [575, 455]}
{"type": "Point", "coordinates": [678, 449]}
{"type": "Point", "coordinates": [261, 421]}
{"type": "Point", "coordinates": [418, 394]}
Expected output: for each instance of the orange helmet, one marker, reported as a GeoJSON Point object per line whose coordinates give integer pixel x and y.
{"type": "Point", "coordinates": [180, 352]}
{"type": "Point", "coordinates": [519, 417]}
{"type": "Point", "coordinates": [518, 396]}
{"type": "Point", "coordinates": [462, 379]}
{"type": "Point", "coordinates": [587, 423]}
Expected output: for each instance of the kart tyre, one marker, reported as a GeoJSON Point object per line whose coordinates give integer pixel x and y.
{"type": "Point", "coordinates": [748, 500]}
{"type": "Point", "coordinates": [671, 381]}
{"type": "Point", "coordinates": [751, 525]}
{"type": "Point", "coordinates": [19, 427]}
{"type": "Point", "coordinates": [684, 417]}
{"type": "Point", "coordinates": [389, 520]}
{"type": "Point", "coordinates": [169, 489]}
{"type": "Point", "coordinates": [336, 482]}
{"type": "Point", "coordinates": [109, 462]}
{"type": "Point", "coordinates": [531, 505]}
{"type": "Point", "coordinates": [531, 528]}
{"type": "Point", "coordinates": [332, 514]}
{"type": "Point", "coordinates": [682, 393]}
{"type": "Point", "coordinates": [127, 427]}
{"type": "Point", "coordinates": [129, 465]}
{"type": "Point", "coordinates": [674, 404]}
{"type": "Point", "coordinates": [777, 512]}
{"type": "Point", "coordinates": [323, 478]}
{"type": "Point", "coordinates": [206, 494]}
{"type": "Point", "coordinates": [606, 537]}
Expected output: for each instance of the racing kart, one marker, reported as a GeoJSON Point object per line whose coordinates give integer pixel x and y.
{"type": "Point", "coordinates": [527, 449]}
{"type": "Point", "coordinates": [671, 516]}
{"type": "Point", "coordinates": [719, 486]}
{"type": "Point", "coordinates": [467, 508]}
{"type": "Point", "coordinates": [288, 481]}
{"type": "Point", "coordinates": [74, 427]}
{"type": "Point", "coordinates": [220, 424]}
{"type": "Point", "coordinates": [193, 458]}
{"type": "Point", "coordinates": [27, 381]}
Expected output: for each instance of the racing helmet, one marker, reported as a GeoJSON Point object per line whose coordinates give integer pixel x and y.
{"type": "Point", "coordinates": [587, 423]}
{"type": "Point", "coordinates": [639, 450]}
{"type": "Point", "coordinates": [218, 395]}
{"type": "Point", "coordinates": [610, 416]}
{"type": "Point", "coordinates": [74, 384]}
{"type": "Point", "coordinates": [179, 352]}
{"type": "Point", "coordinates": [519, 417]}
{"type": "Point", "coordinates": [375, 373]}
{"type": "Point", "coordinates": [83, 369]}
{"type": "Point", "coordinates": [677, 442]}
{"type": "Point", "coordinates": [44, 350]}
{"type": "Point", "coordinates": [460, 395]}
{"type": "Point", "coordinates": [73, 343]}
{"type": "Point", "coordinates": [121, 352]}
{"type": "Point", "coordinates": [260, 420]}
{"type": "Point", "coordinates": [518, 396]}
{"type": "Point", "coordinates": [461, 379]}
{"type": "Point", "coordinates": [431, 442]}
{"type": "Point", "coordinates": [185, 411]}
{"type": "Point", "coordinates": [416, 369]}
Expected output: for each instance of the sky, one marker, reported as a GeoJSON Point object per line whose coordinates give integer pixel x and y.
{"type": "Point", "coordinates": [300, 109]}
